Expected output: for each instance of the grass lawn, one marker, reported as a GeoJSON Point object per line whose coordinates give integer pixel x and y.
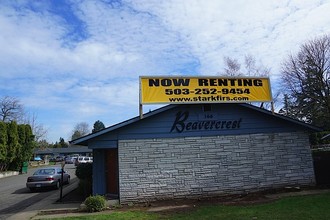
{"type": "Point", "coordinates": [292, 208]}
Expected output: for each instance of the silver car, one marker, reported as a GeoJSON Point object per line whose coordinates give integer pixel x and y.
{"type": "Point", "coordinates": [47, 177]}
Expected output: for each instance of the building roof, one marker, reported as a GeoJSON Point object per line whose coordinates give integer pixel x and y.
{"type": "Point", "coordinates": [325, 137]}
{"type": "Point", "coordinates": [68, 150]}
{"type": "Point", "coordinates": [84, 140]}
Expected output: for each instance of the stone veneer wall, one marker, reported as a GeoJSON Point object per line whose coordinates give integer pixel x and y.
{"type": "Point", "coordinates": [194, 167]}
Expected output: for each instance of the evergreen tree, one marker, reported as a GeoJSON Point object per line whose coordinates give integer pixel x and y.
{"type": "Point", "coordinates": [12, 144]}
{"type": "Point", "coordinates": [306, 77]}
{"type": "Point", "coordinates": [62, 143]}
{"type": "Point", "coordinates": [16, 145]}
{"type": "Point", "coordinates": [26, 141]}
{"type": "Point", "coordinates": [16, 164]}
{"type": "Point", "coordinates": [98, 125]}
{"type": "Point", "coordinates": [289, 109]}
{"type": "Point", "coordinates": [3, 145]}
{"type": "Point", "coordinates": [29, 143]}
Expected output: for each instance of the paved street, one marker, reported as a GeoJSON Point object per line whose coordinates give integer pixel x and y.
{"type": "Point", "coordinates": [16, 197]}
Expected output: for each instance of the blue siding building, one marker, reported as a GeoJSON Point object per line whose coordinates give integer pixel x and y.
{"type": "Point", "coordinates": [199, 150]}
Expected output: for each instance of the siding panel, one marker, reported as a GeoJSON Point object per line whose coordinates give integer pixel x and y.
{"type": "Point", "coordinates": [208, 166]}
{"type": "Point", "coordinates": [159, 126]}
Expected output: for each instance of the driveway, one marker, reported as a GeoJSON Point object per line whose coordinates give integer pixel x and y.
{"type": "Point", "coordinates": [15, 197]}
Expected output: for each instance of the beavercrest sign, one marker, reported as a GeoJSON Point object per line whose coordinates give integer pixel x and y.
{"type": "Point", "coordinates": [180, 90]}
{"type": "Point", "coordinates": [181, 123]}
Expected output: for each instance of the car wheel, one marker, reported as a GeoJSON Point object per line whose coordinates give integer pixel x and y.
{"type": "Point", "coordinates": [32, 189]}
{"type": "Point", "coordinates": [68, 181]}
{"type": "Point", "coordinates": [57, 186]}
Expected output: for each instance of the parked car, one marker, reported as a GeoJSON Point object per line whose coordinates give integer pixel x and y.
{"type": "Point", "coordinates": [87, 160]}
{"type": "Point", "coordinates": [69, 160]}
{"type": "Point", "coordinates": [59, 159]}
{"type": "Point", "coordinates": [74, 159]}
{"type": "Point", "coordinates": [83, 159]}
{"type": "Point", "coordinates": [47, 177]}
{"type": "Point", "coordinates": [52, 159]}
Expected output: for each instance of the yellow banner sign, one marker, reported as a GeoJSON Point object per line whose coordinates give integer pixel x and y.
{"type": "Point", "coordinates": [177, 90]}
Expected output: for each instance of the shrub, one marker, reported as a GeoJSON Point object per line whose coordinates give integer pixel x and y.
{"type": "Point", "coordinates": [84, 172]}
{"type": "Point", "coordinates": [322, 167]}
{"type": "Point", "coordinates": [85, 188]}
{"type": "Point", "coordinates": [95, 203]}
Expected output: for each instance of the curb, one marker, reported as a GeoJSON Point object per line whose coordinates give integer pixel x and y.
{"type": "Point", "coordinates": [8, 173]}
{"type": "Point", "coordinates": [298, 193]}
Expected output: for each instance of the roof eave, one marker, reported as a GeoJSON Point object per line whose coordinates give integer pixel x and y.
{"type": "Point", "coordinates": [84, 140]}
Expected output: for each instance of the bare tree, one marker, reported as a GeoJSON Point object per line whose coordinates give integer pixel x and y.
{"type": "Point", "coordinates": [250, 68]}
{"type": "Point", "coordinates": [306, 79]}
{"type": "Point", "coordinates": [39, 131]}
{"type": "Point", "coordinates": [11, 109]}
{"type": "Point", "coordinates": [80, 129]}
{"type": "Point", "coordinates": [232, 67]}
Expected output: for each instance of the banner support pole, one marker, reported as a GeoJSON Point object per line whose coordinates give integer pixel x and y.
{"type": "Point", "coordinates": [141, 111]}
{"type": "Point", "coordinates": [140, 98]}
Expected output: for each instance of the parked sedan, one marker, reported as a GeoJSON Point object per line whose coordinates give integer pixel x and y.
{"type": "Point", "coordinates": [47, 177]}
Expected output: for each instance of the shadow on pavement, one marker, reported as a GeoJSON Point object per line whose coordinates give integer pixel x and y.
{"type": "Point", "coordinates": [25, 203]}
{"type": "Point", "coordinates": [26, 190]}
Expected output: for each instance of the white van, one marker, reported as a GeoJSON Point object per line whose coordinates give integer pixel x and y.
{"type": "Point", "coordinates": [83, 160]}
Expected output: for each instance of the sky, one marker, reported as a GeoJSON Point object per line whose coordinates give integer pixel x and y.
{"type": "Point", "coordinates": [80, 61]}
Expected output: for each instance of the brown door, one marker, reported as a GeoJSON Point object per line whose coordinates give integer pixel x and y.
{"type": "Point", "coordinates": [112, 171]}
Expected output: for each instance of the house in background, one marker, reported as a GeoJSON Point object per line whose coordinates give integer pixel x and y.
{"type": "Point", "coordinates": [79, 150]}
{"type": "Point", "coordinates": [200, 150]}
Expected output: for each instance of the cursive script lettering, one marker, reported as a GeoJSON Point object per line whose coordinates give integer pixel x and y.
{"type": "Point", "coordinates": [180, 124]}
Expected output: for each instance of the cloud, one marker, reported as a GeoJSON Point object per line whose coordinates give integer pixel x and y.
{"type": "Point", "coordinates": [73, 61]}
{"type": "Point", "coordinates": [214, 29]}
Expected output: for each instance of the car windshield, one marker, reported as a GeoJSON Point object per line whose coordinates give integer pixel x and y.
{"type": "Point", "coordinates": [45, 172]}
